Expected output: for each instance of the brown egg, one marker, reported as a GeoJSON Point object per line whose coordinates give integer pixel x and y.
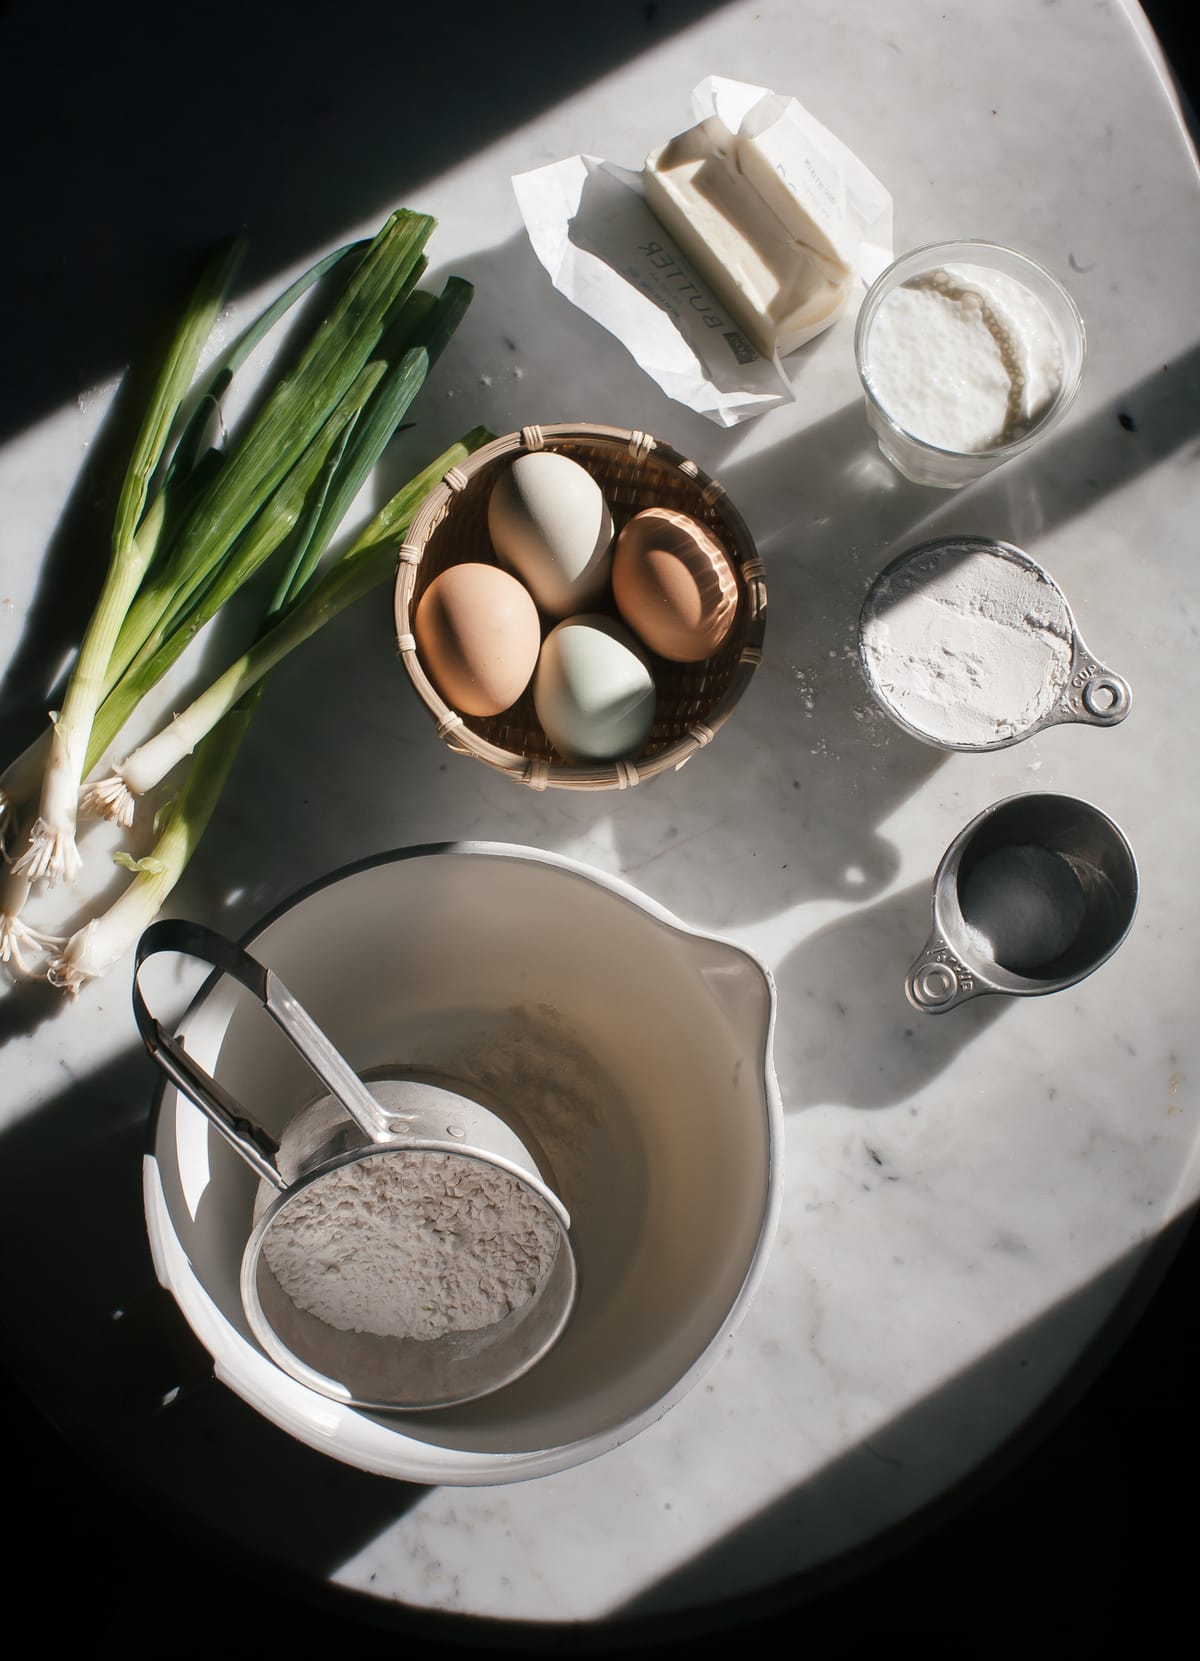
{"type": "Point", "coordinates": [478, 636]}
{"type": "Point", "coordinates": [674, 584]}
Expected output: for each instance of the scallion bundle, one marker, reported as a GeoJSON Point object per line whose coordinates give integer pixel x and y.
{"type": "Point", "coordinates": [192, 527]}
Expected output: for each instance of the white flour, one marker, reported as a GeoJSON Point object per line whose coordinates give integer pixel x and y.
{"type": "Point", "coordinates": [969, 646]}
{"type": "Point", "coordinates": [1023, 906]}
{"type": "Point", "coordinates": [413, 1245]}
{"type": "Point", "coordinates": [964, 359]}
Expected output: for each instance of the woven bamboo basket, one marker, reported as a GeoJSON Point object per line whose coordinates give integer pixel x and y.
{"type": "Point", "coordinates": [634, 471]}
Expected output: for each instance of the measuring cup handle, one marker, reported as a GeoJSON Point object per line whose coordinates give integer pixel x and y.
{"type": "Point", "coordinates": [255, 1145]}
{"type": "Point", "coordinates": [938, 981]}
{"type": "Point", "coordinates": [1096, 695]}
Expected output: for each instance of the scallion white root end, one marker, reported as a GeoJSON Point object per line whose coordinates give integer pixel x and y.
{"type": "Point", "coordinates": [19, 942]}
{"type": "Point", "coordinates": [51, 853]}
{"type": "Point", "coordinates": [78, 962]}
{"type": "Point", "coordinates": [110, 798]}
{"type": "Point", "coordinates": [21, 945]}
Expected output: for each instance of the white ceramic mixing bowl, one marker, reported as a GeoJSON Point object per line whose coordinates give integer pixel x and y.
{"type": "Point", "coordinates": [631, 1054]}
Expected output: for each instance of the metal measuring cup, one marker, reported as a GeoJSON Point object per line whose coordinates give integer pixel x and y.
{"type": "Point", "coordinates": [952, 968]}
{"type": "Point", "coordinates": [1085, 690]}
{"type": "Point", "coordinates": [396, 1117]}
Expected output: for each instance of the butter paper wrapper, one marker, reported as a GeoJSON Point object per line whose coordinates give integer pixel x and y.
{"type": "Point", "coordinates": [606, 252]}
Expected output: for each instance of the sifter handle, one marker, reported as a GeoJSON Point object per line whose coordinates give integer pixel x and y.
{"type": "Point", "coordinates": [255, 1145]}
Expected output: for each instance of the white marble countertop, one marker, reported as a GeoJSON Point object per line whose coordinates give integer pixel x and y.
{"type": "Point", "coordinates": [969, 1200]}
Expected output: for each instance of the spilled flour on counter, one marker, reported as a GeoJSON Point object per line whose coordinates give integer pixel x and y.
{"type": "Point", "coordinates": [969, 646]}
{"type": "Point", "coordinates": [413, 1244]}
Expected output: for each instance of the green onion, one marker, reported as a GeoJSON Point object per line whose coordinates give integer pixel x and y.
{"type": "Point", "coordinates": [265, 535]}
{"type": "Point", "coordinates": [189, 473]}
{"type": "Point", "coordinates": [191, 529]}
{"type": "Point", "coordinates": [375, 424]}
{"type": "Point", "coordinates": [370, 561]}
{"type": "Point", "coordinates": [216, 723]}
{"type": "Point", "coordinates": [103, 941]}
{"type": "Point", "coordinates": [365, 444]}
{"type": "Point", "coordinates": [285, 426]}
{"type": "Point", "coordinates": [51, 851]}
{"type": "Point", "coordinates": [20, 942]}
{"type": "Point", "coordinates": [222, 371]}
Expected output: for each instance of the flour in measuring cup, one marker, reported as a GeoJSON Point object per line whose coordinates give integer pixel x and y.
{"type": "Point", "coordinates": [413, 1244]}
{"type": "Point", "coordinates": [968, 646]}
{"type": "Point", "coordinates": [964, 359]}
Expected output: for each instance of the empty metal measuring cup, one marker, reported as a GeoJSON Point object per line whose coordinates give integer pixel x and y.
{"type": "Point", "coordinates": [969, 644]}
{"type": "Point", "coordinates": [396, 1118]}
{"type": "Point", "coordinates": [1020, 842]}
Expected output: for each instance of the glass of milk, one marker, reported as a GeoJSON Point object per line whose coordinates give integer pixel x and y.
{"type": "Point", "coordinates": [968, 354]}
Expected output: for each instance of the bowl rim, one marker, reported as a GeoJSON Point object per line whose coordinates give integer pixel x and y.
{"type": "Point", "coordinates": [392, 1453]}
{"type": "Point", "coordinates": [540, 773]}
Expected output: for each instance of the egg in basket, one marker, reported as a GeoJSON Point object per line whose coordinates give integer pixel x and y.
{"type": "Point", "coordinates": [579, 606]}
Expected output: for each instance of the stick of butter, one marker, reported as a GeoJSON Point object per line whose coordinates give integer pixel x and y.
{"type": "Point", "coordinates": [781, 278]}
{"type": "Point", "coordinates": [772, 209]}
{"type": "Point", "coordinates": [813, 223]}
{"type": "Point", "coordinates": [802, 180]}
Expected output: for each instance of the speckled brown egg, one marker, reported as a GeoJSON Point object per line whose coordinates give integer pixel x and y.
{"type": "Point", "coordinates": [478, 637]}
{"type": "Point", "coordinates": [674, 584]}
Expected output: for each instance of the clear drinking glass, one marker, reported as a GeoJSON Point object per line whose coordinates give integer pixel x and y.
{"type": "Point", "coordinates": [931, 464]}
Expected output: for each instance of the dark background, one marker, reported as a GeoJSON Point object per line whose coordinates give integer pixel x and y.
{"type": "Point", "coordinates": [1082, 1533]}
{"type": "Point", "coordinates": [1085, 1538]}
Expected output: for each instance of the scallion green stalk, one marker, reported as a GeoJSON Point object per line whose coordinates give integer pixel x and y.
{"type": "Point", "coordinates": [104, 941]}
{"type": "Point", "coordinates": [265, 535]}
{"type": "Point", "coordinates": [21, 781]}
{"type": "Point", "coordinates": [51, 850]}
{"type": "Point", "coordinates": [379, 408]}
{"type": "Point", "coordinates": [284, 428]}
{"type": "Point", "coordinates": [365, 444]}
{"type": "Point", "coordinates": [191, 529]}
{"type": "Point", "coordinates": [222, 370]}
{"type": "Point", "coordinates": [370, 561]}
{"type": "Point", "coordinates": [190, 471]}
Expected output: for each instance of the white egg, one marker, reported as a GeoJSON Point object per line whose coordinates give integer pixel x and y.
{"type": "Point", "coordinates": [549, 523]}
{"type": "Point", "coordinates": [593, 690]}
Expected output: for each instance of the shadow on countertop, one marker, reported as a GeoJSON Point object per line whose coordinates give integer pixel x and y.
{"type": "Point", "coordinates": [152, 133]}
{"type": "Point", "coordinates": [1077, 1527]}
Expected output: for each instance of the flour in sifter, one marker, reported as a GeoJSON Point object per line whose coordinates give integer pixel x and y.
{"type": "Point", "coordinates": [413, 1244]}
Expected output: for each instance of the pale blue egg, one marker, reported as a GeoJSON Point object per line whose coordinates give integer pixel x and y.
{"type": "Point", "coordinates": [593, 690]}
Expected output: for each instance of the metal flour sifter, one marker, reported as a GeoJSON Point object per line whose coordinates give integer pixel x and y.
{"type": "Point", "coordinates": [393, 1118]}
